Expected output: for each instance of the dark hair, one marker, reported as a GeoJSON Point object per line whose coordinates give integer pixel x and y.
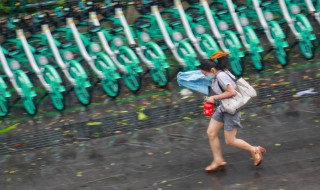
{"type": "Point", "coordinates": [208, 64]}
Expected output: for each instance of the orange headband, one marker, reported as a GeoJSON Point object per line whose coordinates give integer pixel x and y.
{"type": "Point", "coordinates": [218, 54]}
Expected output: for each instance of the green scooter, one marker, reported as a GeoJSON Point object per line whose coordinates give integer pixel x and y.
{"type": "Point", "coordinates": [4, 96]}
{"type": "Point", "coordinates": [126, 60]}
{"type": "Point", "coordinates": [272, 29]}
{"type": "Point", "coordinates": [148, 51]}
{"type": "Point", "coordinates": [4, 93]}
{"type": "Point", "coordinates": [64, 58]}
{"type": "Point", "coordinates": [110, 38]}
{"type": "Point", "coordinates": [227, 39]}
{"type": "Point", "coordinates": [157, 28]}
{"type": "Point", "coordinates": [203, 43]}
{"type": "Point", "coordinates": [300, 27]}
{"type": "Point", "coordinates": [19, 80]}
{"type": "Point", "coordinates": [314, 10]}
{"type": "Point", "coordinates": [46, 73]}
{"type": "Point", "coordinates": [246, 32]}
{"type": "Point", "coordinates": [99, 62]}
{"type": "Point", "coordinates": [63, 54]}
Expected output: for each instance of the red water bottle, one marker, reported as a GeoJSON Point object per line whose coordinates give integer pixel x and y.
{"type": "Point", "coordinates": [208, 109]}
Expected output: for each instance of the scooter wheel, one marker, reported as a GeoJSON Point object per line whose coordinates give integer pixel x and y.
{"type": "Point", "coordinates": [282, 56]}
{"type": "Point", "coordinates": [161, 78]}
{"type": "Point", "coordinates": [307, 48]}
{"type": "Point", "coordinates": [57, 100]}
{"type": "Point", "coordinates": [83, 95]}
{"type": "Point", "coordinates": [132, 81]}
{"type": "Point", "coordinates": [111, 87]}
{"type": "Point", "coordinates": [4, 107]}
{"type": "Point", "coordinates": [29, 106]}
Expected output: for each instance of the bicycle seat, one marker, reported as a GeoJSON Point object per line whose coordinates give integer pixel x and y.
{"type": "Point", "coordinates": [116, 29]}
{"type": "Point", "coordinates": [95, 29]}
{"type": "Point", "coordinates": [9, 33]}
{"type": "Point", "coordinates": [21, 23]}
{"type": "Point", "coordinates": [40, 47]}
{"type": "Point", "coordinates": [221, 12]}
{"type": "Point", "coordinates": [166, 3]}
{"type": "Point", "coordinates": [58, 21]}
{"type": "Point", "coordinates": [107, 12]}
{"type": "Point", "coordinates": [35, 28]}
{"type": "Point", "coordinates": [191, 2]}
{"type": "Point", "coordinates": [13, 51]}
{"type": "Point", "coordinates": [142, 25]}
{"type": "Point", "coordinates": [144, 9]}
{"type": "Point", "coordinates": [197, 18]}
{"type": "Point", "coordinates": [216, 6]}
{"type": "Point", "coordinates": [48, 19]}
{"type": "Point", "coordinates": [66, 43]}
{"type": "Point", "coordinates": [82, 15]}
{"type": "Point", "coordinates": [241, 8]}
{"type": "Point", "coordinates": [265, 3]}
{"type": "Point", "coordinates": [174, 21]}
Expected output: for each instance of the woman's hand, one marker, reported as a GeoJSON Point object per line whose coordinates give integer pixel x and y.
{"type": "Point", "coordinates": [229, 92]}
{"type": "Point", "coordinates": [210, 99]}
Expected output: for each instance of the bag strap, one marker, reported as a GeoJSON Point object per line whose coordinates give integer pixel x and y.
{"type": "Point", "coordinates": [234, 79]}
{"type": "Point", "coordinates": [209, 90]}
{"type": "Point", "coordinates": [219, 84]}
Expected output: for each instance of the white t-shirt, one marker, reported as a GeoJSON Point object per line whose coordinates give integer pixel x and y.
{"type": "Point", "coordinates": [225, 79]}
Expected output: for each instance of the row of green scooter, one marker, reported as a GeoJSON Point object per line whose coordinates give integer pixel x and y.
{"type": "Point", "coordinates": [98, 40]}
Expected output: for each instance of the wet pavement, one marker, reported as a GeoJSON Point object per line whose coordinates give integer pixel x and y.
{"type": "Point", "coordinates": [174, 156]}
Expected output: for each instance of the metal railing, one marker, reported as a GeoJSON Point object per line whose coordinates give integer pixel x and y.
{"type": "Point", "coordinates": [160, 116]}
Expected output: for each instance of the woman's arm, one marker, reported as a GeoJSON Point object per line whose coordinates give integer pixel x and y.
{"type": "Point", "coordinates": [228, 93]}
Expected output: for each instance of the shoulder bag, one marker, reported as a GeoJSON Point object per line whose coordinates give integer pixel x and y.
{"type": "Point", "coordinates": [244, 93]}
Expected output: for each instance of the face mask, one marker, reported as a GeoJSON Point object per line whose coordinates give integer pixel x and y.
{"type": "Point", "coordinates": [210, 77]}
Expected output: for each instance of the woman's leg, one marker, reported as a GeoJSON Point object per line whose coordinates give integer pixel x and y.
{"type": "Point", "coordinates": [256, 151]}
{"type": "Point", "coordinates": [230, 138]}
{"type": "Point", "coordinates": [212, 132]}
